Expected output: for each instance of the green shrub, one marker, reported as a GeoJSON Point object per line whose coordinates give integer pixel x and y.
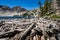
{"type": "Point", "coordinates": [55, 16]}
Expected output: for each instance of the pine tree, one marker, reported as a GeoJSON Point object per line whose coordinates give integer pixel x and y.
{"type": "Point", "coordinates": [41, 8]}
{"type": "Point", "coordinates": [58, 2]}
{"type": "Point", "coordinates": [47, 6]}
{"type": "Point", "coordinates": [44, 8]}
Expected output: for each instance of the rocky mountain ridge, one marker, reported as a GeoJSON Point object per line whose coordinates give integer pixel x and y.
{"type": "Point", "coordinates": [16, 8]}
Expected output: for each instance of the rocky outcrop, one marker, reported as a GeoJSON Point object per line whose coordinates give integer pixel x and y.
{"type": "Point", "coordinates": [18, 9]}
{"type": "Point", "coordinates": [4, 8]}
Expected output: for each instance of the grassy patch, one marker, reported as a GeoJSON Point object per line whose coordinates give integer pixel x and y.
{"type": "Point", "coordinates": [55, 16]}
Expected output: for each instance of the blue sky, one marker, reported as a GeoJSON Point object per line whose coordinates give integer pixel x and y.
{"type": "Point", "coordinates": [28, 4]}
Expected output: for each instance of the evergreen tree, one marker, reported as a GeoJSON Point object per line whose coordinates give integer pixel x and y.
{"type": "Point", "coordinates": [58, 2]}
{"type": "Point", "coordinates": [41, 9]}
{"type": "Point", "coordinates": [47, 6]}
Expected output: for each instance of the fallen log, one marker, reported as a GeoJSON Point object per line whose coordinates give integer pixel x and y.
{"type": "Point", "coordinates": [37, 31]}
{"type": "Point", "coordinates": [10, 33]}
{"type": "Point", "coordinates": [31, 37]}
{"type": "Point", "coordinates": [27, 32]}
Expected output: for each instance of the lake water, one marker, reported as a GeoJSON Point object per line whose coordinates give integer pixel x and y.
{"type": "Point", "coordinates": [7, 17]}
{"type": "Point", "coordinates": [14, 17]}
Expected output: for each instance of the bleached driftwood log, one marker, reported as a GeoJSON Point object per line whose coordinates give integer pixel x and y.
{"type": "Point", "coordinates": [10, 33]}
{"type": "Point", "coordinates": [27, 31]}
{"type": "Point", "coordinates": [24, 34]}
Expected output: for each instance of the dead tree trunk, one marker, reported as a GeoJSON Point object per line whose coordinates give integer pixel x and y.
{"type": "Point", "coordinates": [10, 33]}
{"type": "Point", "coordinates": [27, 31]}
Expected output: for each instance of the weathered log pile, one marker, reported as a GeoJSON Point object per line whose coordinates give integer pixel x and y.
{"type": "Point", "coordinates": [30, 29]}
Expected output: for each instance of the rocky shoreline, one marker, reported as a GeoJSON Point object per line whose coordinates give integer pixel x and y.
{"type": "Point", "coordinates": [30, 29]}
